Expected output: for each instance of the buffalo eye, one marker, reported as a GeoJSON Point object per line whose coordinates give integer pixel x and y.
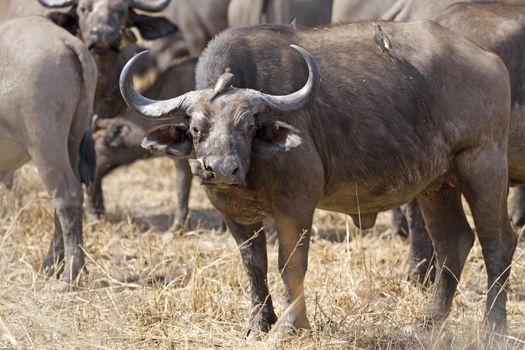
{"type": "Point", "coordinates": [195, 131]}
{"type": "Point", "coordinates": [83, 9]}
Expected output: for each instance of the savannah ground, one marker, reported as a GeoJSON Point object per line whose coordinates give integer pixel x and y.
{"type": "Point", "coordinates": [148, 289]}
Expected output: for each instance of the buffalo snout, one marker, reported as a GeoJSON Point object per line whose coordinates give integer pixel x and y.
{"type": "Point", "coordinates": [219, 170]}
{"type": "Point", "coordinates": [103, 37]}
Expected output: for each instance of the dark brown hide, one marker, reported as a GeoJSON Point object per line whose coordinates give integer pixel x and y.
{"type": "Point", "coordinates": [377, 132]}
{"type": "Point", "coordinates": [501, 29]}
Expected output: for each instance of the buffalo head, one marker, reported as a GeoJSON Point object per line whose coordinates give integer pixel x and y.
{"type": "Point", "coordinates": [222, 127]}
{"type": "Point", "coordinates": [102, 24]}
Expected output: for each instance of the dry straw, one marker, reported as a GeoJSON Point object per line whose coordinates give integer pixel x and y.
{"type": "Point", "coordinates": [145, 289]}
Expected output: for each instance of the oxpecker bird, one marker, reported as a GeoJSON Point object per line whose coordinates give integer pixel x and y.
{"type": "Point", "coordinates": [382, 40]}
{"type": "Point", "coordinates": [223, 83]}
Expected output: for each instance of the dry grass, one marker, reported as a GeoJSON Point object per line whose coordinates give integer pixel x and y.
{"type": "Point", "coordinates": [146, 291]}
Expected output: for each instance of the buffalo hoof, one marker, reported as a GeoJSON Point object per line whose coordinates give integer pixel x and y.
{"type": "Point", "coordinates": [52, 265]}
{"type": "Point", "coordinates": [285, 331]}
{"type": "Point", "coordinates": [53, 269]}
{"type": "Point", "coordinates": [262, 321]}
{"type": "Point", "coordinates": [255, 335]}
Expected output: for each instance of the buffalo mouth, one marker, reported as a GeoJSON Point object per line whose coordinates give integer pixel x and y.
{"type": "Point", "coordinates": [216, 179]}
{"type": "Point", "coordinates": [221, 184]}
{"type": "Point", "coordinates": [220, 187]}
{"type": "Point", "coordinates": [99, 49]}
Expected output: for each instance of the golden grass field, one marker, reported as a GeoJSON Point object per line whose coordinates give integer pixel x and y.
{"type": "Point", "coordinates": [147, 289]}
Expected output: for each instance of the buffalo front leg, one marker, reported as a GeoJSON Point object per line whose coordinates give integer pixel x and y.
{"type": "Point", "coordinates": [182, 188]}
{"type": "Point", "coordinates": [294, 242]}
{"type": "Point", "coordinates": [452, 238]}
{"type": "Point", "coordinates": [484, 182]}
{"type": "Point", "coordinates": [251, 240]}
{"type": "Point", "coordinates": [421, 248]}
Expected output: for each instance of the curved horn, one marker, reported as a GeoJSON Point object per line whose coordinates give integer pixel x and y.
{"type": "Point", "coordinates": [57, 3]}
{"type": "Point", "coordinates": [152, 109]}
{"type": "Point", "coordinates": [295, 100]}
{"type": "Point", "coordinates": [149, 6]}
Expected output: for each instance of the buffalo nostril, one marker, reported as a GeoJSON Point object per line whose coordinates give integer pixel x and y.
{"type": "Point", "coordinates": [235, 171]}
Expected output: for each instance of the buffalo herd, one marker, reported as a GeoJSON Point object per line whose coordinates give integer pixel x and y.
{"type": "Point", "coordinates": [280, 107]}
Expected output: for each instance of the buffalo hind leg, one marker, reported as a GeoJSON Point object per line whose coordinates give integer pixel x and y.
{"type": "Point", "coordinates": [294, 241]}
{"type": "Point", "coordinates": [65, 187]}
{"type": "Point", "coordinates": [452, 237]}
{"type": "Point", "coordinates": [421, 249]}
{"type": "Point", "coordinates": [251, 240]}
{"type": "Point", "coordinates": [484, 182]}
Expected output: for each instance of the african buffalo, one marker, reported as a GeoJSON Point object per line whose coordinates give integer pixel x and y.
{"type": "Point", "coordinates": [303, 12]}
{"type": "Point", "coordinates": [104, 26]}
{"type": "Point", "coordinates": [46, 103]}
{"type": "Point", "coordinates": [117, 140]}
{"type": "Point", "coordinates": [430, 121]}
{"type": "Point", "coordinates": [501, 29]}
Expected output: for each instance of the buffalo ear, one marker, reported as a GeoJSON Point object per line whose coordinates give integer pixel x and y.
{"type": "Point", "coordinates": [151, 28]}
{"type": "Point", "coordinates": [275, 137]}
{"type": "Point", "coordinates": [66, 20]}
{"type": "Point", "coordinates": [172, 140]}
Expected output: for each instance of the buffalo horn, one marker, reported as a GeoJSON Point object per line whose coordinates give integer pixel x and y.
{"type": "Point", "coordinates": [149, 6]}
{"type": "Point", "coordinates": [57, 3]}
{"type": "Point", "coordinates": [152, 109]}
{"type": "Point", "coordinates": [297, 99]}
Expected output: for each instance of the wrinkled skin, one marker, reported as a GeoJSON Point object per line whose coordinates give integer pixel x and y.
{"type": "Point", "coordinates": [47, 123]}
{"type": "Point", "coordinates": [117, 140]}
{"type": "Point", "coordinates": [374, 134]}
{"type": "Point", "coordinates": [304, 12]}
{"type": "Point", "coordinates": [501, 29]}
